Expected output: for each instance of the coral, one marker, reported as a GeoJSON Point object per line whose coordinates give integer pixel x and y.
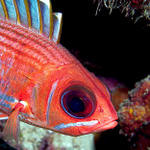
{"type": "Point", "coordinates": [118, 90]}
{"type": "Point", "coordinates": [31, 136]}
{"type": "Point", "coordinates": [34, 138]}
{"type": "Point", "coordinates": [119, 95]}
{"type": "Point", "coordinates": [134, 114]}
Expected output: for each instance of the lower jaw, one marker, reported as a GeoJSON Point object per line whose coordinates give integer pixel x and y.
{"type": "Point", "coordinates": [107, 126]}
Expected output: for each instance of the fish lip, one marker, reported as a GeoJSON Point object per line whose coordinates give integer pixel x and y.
{"type": "Point", "coordinates": [109, 125]}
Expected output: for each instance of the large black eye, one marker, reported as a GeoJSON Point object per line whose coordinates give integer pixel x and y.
{"type": "Point", "coordinates": [78, 102]}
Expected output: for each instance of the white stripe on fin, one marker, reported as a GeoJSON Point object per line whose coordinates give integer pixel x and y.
{"type": "Point", "coordinates": [47, 18]}
{"type": "Point", "coordinates": [57, 19]}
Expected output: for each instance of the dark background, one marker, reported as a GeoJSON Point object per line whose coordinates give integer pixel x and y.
{"type": "Point", "coordinates": [108, 45]}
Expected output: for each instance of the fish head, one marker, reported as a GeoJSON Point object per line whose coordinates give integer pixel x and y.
{"type": "Point", "coordinates": [80, 103]}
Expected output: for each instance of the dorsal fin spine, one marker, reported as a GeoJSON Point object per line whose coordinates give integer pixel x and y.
{"type": "Point", "coordinates": [51, 20]}
{"type": "Point", "coordinates": [17, 12]}
{"type": "Point", "coordinates": [57, 21]}
{"type": "Point", "coordinates": [28, 12]}
{"type": "Point", "coordinates": [5, 9]}
{"type": "Point", "coordinates": [40, 15]}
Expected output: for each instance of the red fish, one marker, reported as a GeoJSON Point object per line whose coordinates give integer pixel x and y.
{"type": "Point", "coordinates": [41, 83]}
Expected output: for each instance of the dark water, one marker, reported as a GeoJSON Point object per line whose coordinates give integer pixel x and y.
{"type": "Point", "coordinates": [111, 139]}
{"type": "Point", "coordinates": [109, 45]}
{"type": "Point", "coordinates": [5, 146]}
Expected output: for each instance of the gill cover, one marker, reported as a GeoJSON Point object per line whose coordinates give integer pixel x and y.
{"type": "Point", "coordinates": [35, 14]}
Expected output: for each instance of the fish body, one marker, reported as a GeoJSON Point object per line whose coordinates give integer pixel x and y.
{"type": "Point", "coordinates": [41, 83]}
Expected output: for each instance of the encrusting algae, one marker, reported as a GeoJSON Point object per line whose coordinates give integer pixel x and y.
{"type": "Point", "coordinates": [134, 114]}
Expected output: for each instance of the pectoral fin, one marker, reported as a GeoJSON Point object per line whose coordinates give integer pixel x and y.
{"type": "Point", "coordinates": [11, 128]}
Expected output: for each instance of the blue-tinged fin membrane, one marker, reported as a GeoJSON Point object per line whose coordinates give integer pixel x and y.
{"type": "Point", "coordinates": [34, 14]}
{"type": "Point", "coordinates": [5, 105]}
{"type": "Point", "coordinates": [7, 98]}
{"type": "Point", "coordinates": [22, 12]}
{"type": "Point", "coordinates": [47, 18]}
{"type": "Point", "coordinates": [2, 14]}
{"type": "Point", "coordinates": [57, 21]}
{"type": "Point", "coordinates": [11, 10]}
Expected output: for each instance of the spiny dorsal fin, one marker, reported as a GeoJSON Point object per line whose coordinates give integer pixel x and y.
{"type": "Point", "coordinates": [57, 19]}
{"type": "Point", "coordinates": [35, 14]}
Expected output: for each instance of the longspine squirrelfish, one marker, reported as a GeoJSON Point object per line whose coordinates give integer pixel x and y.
{"type": "Point", "coordinates": [41, 83]}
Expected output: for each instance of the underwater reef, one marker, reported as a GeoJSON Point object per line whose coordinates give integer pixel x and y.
{"type": "Point", "coordinates": [134, 115]}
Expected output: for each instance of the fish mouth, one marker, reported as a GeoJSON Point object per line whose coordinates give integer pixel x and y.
{"type": "Point", "coordinates": [110, 125]}
{"type": "Point", "coordinates": [107, 126]}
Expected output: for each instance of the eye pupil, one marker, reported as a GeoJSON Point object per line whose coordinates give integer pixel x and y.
{"type": "Point", "coordinates": [76, 105]}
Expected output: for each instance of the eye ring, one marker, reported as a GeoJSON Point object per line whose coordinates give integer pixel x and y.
{"type": "Point", "coordinates": [78, 101]}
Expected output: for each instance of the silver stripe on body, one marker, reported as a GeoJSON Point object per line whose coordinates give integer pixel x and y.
{"type": "Point", "coordinates": [3, 118]}
{"type": "Point", "coordinates": [85, 123]}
